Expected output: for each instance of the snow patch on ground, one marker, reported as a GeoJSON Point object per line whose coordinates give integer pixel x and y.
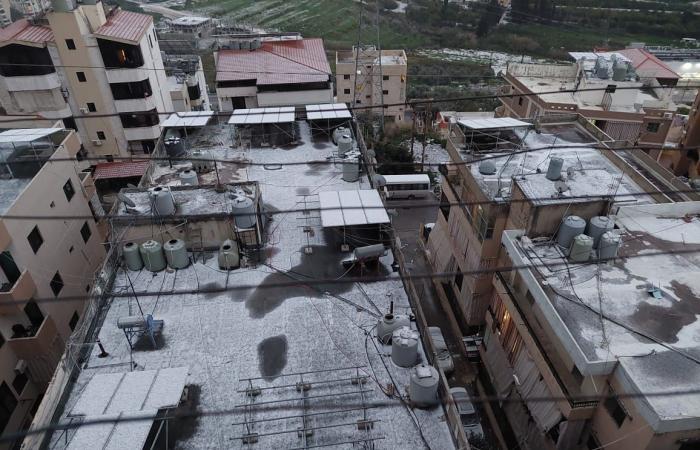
{"type": "Point", "coordinates": [498, 61]}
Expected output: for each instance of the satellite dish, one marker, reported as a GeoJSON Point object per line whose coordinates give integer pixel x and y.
{"type": "Point", "coordinates": [126, 200]}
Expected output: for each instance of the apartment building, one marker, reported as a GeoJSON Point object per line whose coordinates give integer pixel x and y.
{"type": "Point", "coordinates": [577, 330]}
{"type": "Point", "coordinates": [99, 71]}
{"type": "Point", "coordinates": [607, 92]}
{"type": "Point", "coordinates": [377, 78]}
{"type": "Point", "coordinates": [468, 238]}
{"type": "Point", "coordinates": [42, 259]}
{"type": "Point", "coordinates": [291, 72]}
{"type": "Point", "coordinates": [186, 83]}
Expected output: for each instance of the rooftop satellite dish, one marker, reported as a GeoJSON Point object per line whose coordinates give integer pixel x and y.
{"type": "Point", "coordinates": [126, 200]}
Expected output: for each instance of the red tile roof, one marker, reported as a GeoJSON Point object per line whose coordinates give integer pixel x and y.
{"type": "Point", "coordinates": [125, 25]}
{"type": "Point", "coordinates": [120, 169]}
{"type": "Point", "coordinates": [23, 31]}
{"type": "Point", "coordinates": [648, 65]}
{"type": "Point", "coordinates": [276, 62]}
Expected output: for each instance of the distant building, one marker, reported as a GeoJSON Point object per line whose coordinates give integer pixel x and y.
{"type": "Point", "coordinates": [273, 73]}
{"type": "Point", "coordinates": [193, 25]}
{"type": "Point", "coordinates": [88, 63]}
{"type": "Point", "coordinates": [186, 83]}
{"type": "Point", "coordinates": [621, 102]}
{"type": "Point", "coordinates": [31, 8]}
{"type": "Point", "coordinates": [391, 66]}
{"type": "Point", "coordinates": [43, 258]}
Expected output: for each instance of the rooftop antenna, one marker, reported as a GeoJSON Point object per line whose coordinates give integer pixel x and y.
{"type": "Point", "coordinates": [366, 82]}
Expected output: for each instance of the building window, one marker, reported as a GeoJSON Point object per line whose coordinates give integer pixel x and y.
{"type": "Point", "coordinates": [385, 92]}
{"type": "Point", "coordinates": [109, 158]}
{"type": "Point", "coordinates": [8, 403]}
{"type": "Point", "coordinates": [56, 283]}
{"type": "Point", "coordinates": [346, 91]}
{"type": "Point", "coordinates": [385, 78]}
{"type": "Point", "coordinates": [484, 223]}
{"type": "Point", "coordinates": [68, 190]}
{"type": "Point", "coordinates": [81, 76]}
{"type": "Point", "coordinates": [85, 232]}
{"type": "Point", "coordinates": [74, 320]}
{"type": "Point", "coordinates": [653, 127]}
{"type": "Point", "coordinates": [459, 278]}
{"type": "Point", "coordinates": [150, 41]}
{"type": "Point", "coordinates": [445, 206]}
{"type": "Point", "coordinates": [2, 340]}
{"type": "Point", "coordinates": [35, 239]}
{"type": "Point", "coordinates": [34, 314]}
{"type": "Point", "coordinates": [615, 408]}
{"type": "Point", "coordinates": [70, 250]}
{"type": "Point", "coordinates": [520, 101]}
{"type": "Point", "coordinates": [346, 77]}
{"type": "Point", "coordinates": [70, 43]}
{"type": "Point", "coordinates": [101, 135]}
{"type": "Point", "coordinates": [19, 383]}
{"type": "Point", "coordinates": [91, 107]}
{"type": "Point", "coordinates": [358, 101]}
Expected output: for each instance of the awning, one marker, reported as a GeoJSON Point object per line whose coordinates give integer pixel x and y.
{"type": "Point", "coordinates": [256, 116]}
{"type": "Point", "coordinates": [493, 124]}
{"type": "Point", "coordinates": [26, 134]}
{"type": "Point", "coordinates": [349, 208]}
{"type": "Point", "coordinates": [120, 169]}
{"type": "Point", "coordinates": [328, 111]}
{"type": "Point", "coordinates": [188, 119]}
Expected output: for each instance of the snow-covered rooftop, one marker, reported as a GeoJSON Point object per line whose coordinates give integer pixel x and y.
{"type": "Point", "coordinates": [269, 332]}
{"type": "Point", "coordinates": [604, 314]}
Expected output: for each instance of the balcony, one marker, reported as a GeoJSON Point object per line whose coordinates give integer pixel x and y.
{"type": "Point", "coordinates": [33, 82]}
{"type": "Point", "coordinates": [142, 133]}
{"type": "Point", "coordinates": [14, 297]}
{"type": "Point", "coordinates": [88, 184]}
{"type": "Point", "coordinates": [126, 75]}
{"type": "Point", "coordinates": [41, 348]}
{"type": "Point", "coordinates": [135, 104]}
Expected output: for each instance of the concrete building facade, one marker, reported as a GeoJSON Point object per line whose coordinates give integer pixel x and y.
{"type": "Point", "coordinates": [391, 66]}
{"type": "Point", "coordinates": [100, 72]}
{"type": "Point", "coordinates": [186, 83]}
{"type": "Point", "coordinates": [42, 259]}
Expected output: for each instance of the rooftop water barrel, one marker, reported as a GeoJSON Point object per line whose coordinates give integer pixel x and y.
{"type": "Point", "coordinates": [601, 68]}
{"type": "Point", "coordinates": [554, 168]}
{"type": "Point", "coordinates": [162, 202]}
{"type": "Point", "coordinates": [189, 178]}
{"type": "Point", "coordinates": [404, 347]}
{"type": "Point", "coordinates": [255, 44]}
{"type": "Point", "coordinates": [245, 45]}
{"type": "Point", "coordinates": [571, 227]}
{"type": "Point", "coordinates": [369, 252]}
{"type": "Point", "coordinates": [229, 257]}
{"type": "Point", "coordinates": [619, 70]}
{"type": "Point", "coordinates": [131, 322]}
{"type": "Point", "coordinates": [244, 213]}
{"type": "Point", "coordinates": [176, 254]}
{"type": "Point", "coordinates": [152, 255]}
{"type": "Point", "coordinates": [597, 226]}
{"type": "Point", "coordinates": [388, 324]}
{"type": "Point", "coordinates": [609, 245]}
{"type": "Point", "coordinates": [132, 258]}
{"type": "Point", "coordinates": [581, 248]}
{"type": "Point", "coordinates": [423, 387]}
{"type": "Point", "coordinates": [345, 144]}
{"type": "Point", "coordinates": [487, 167]}
{"type": "Point", "coordinates": [351, 169]}
{"type": "Point", "coordinates": [339, 132]}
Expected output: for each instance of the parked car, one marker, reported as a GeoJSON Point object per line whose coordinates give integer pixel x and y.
{"type": "Point", "coordinates": [444, 359]}
{"type": "Point", "coordinates": [467, 412]}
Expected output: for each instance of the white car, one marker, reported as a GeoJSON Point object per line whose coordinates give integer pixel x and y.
{"type": "Point", "coordinates": [444, 359]}
{"type": "Point", "coordinates": [467, 412]}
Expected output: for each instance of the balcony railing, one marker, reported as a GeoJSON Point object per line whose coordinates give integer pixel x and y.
{"type": "Point", "coordinates": [33, 82]}
{"type": "Point", "coordinates": [13, 297]}
{"type": "Point", "coordinates": [41, 348]}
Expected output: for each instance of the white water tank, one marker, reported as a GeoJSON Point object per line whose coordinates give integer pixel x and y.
{"type": "Point", "coordinates": [388, 324]}
{"type": "Point", "coordinates": [351, 169]}
{"type": "Point", "coordinates": [404, 347]}
{"type": "Point", "coordinates": [581, 248]}
{"type": "Point", "coordinates": [369, 252]}
{"type": "Point", "coordinates": [162, 202]}
{"type": "Point", "coordinates": [131, 322]}
{"type": "Point", "coordinates": [339, 132]}
{"type": "Point", "coordinates": [244, 212]}
{"type": "Point", "coordinates": [423, 387]}
{"type": "Point", "coordinates": [570, 227]}
{"type": "Point", "coordinates": [345, 144]}
{"type": "Point", "coordinates": [132, 258]}
{"type": "Point", "coordinates": [189, 178]}
{"type": "Point", "coordinates": [487, 167]}
{"type": "Point", "coordinates": [202, 161]}
{"type": "Point", "coordinates": [229, 257]}
{"type": "Point", "coordinates": [176, 254]}
{"type": "Point", "coordinates": [609, 245]}
{"type": "Point", "coordinates": [597, 226]}
{"type": "Point", "coordinates": [554, 168]}
{"type": "Point", "coordinates": [152, 255]}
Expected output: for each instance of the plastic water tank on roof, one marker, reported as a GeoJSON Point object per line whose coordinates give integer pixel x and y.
{"type": "Point", "coordinates": [404, 347]}
{"type": "Point", "coordinates": [229, 257]}
{"type": "Point", "coordinates": [388, 324]}
{"type": "Point", "coordinates": [609, 245]}
{"type": "Point", "coordinates": [340, 131]}
{"type": "Point", "coordinates": [571, 227]}
{"type": "Point", "coordinates": [554, 168]}
{"type": "Point", "coordinates": [597, 226]}
{"type": "Point", "coordinates": [152, 255]}
{"type": "Point", "coordinates": [189, 178]}
{"type": "Point", "coordinates": [487, 167]}
{"type": "Point", "coordinates": [162, 202]}
{"type": "Point", "coordinates": [132, 257]}
{"type": "Point", "coordinates": [244, 212]}
{"type": "Point", "coordinates": [351, 168]}
{"type": "Point", "coordinates": [424, 386]}
{"type": "Point", "coordinates": [345, 144]}
{"type": "Point", "coordinates": [176, 254]}
{"type": "Point", "coordinates": [581, 248]}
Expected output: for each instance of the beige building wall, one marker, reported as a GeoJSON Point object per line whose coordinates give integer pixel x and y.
{"type": "Point", "coordinates": [63, 251]}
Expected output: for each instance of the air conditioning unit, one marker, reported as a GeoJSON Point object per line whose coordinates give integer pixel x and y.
{"type": "Point", "coordinates": [96, 142]}
{"type": "Point", "coordinates": [21, 366]}
{"type": "Point", "coordinates": [84, 110]}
